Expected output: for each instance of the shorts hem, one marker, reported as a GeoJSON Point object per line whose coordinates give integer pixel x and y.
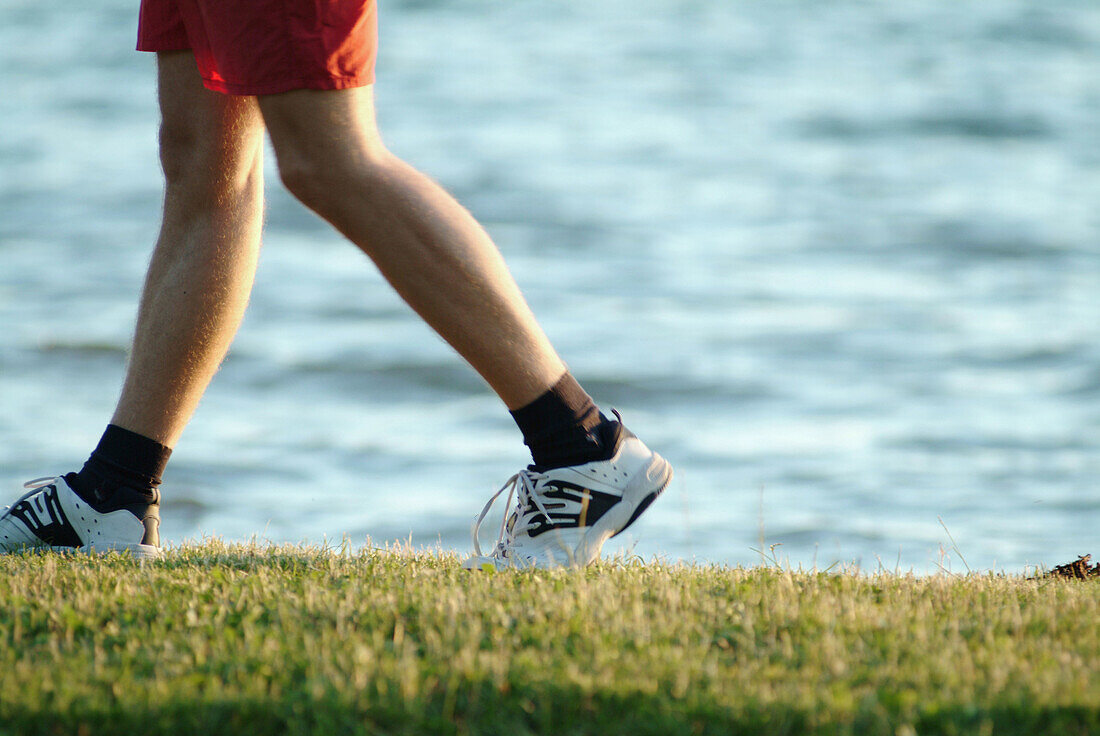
{"type": "Point", "coordinates": [154, 48]}
{"type": "Point", "coordinates": [289, 85]}
{"type": "Point", "coordinates": [165, 47]}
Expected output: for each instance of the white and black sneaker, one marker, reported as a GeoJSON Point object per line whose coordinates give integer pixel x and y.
{"type": "Point", "coordinates": [563, 516]}
{"type": "Point", "coordinates": [52, 515]}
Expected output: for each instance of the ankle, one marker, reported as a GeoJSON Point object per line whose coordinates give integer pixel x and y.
{"type": "Point", "coordinates": [122, 460]}
{"type": "Point", "coordinates": [561, 427]}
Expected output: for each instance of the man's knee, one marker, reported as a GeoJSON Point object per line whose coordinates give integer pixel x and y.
{"type": "Point", "coordinates": [326, 144]}
{"type": "Point", "coordinates": [217, 164]}
{"type": "Point", "coordinates": [179, 151]}
{"type": "Point", "coordinates": [298, 175]}
{"type": "Point", "coordinates": [318, 181]}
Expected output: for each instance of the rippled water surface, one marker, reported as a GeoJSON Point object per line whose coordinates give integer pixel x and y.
{"type": "Point", "coordinates": [839, 261]}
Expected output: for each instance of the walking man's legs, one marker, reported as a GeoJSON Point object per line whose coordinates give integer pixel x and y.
{"type": "Point", "coordinates": [591, 478]}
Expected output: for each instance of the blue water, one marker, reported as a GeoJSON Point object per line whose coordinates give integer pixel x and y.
{"type": "Point", "coordinates": [839, 261]}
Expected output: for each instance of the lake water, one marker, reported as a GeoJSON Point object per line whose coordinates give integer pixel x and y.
{"type": "Point", "coordinates": [838, 261]}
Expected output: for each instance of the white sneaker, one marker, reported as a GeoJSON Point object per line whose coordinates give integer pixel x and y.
{"type": "Point", "coordinates": [563, 516]}
{"type": "Point", "coordinates": [51, 515]}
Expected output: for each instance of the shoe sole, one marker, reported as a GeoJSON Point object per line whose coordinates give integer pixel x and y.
{"type": "Point", "coordinates": [138, 551]}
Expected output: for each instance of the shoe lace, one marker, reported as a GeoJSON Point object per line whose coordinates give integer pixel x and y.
{"type": "Point", "coordinates": [521, 486]}
{"type": "Point", "coordinates": [31, 487]}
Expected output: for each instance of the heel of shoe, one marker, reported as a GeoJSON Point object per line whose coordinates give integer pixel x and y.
{"type": "Point", "coordinates": [653, 483]}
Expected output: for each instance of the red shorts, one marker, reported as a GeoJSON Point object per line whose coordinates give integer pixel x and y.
{"type": "Point", "coordinates": [262, 47]}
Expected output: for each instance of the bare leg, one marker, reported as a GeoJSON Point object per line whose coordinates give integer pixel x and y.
{"type": "Point", "coordinates": [427, 246]}
{"type": "Point", "coordinates": [205, 259]}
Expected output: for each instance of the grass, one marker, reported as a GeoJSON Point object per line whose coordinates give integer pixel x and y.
{"type": "Point", "coordinates": [289, 640]}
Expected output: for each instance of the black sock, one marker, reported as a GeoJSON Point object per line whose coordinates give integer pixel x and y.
{"type": "Point", "coordinates": [123, 459]}
{"type": "Point", "coordinates": [559, 426]}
